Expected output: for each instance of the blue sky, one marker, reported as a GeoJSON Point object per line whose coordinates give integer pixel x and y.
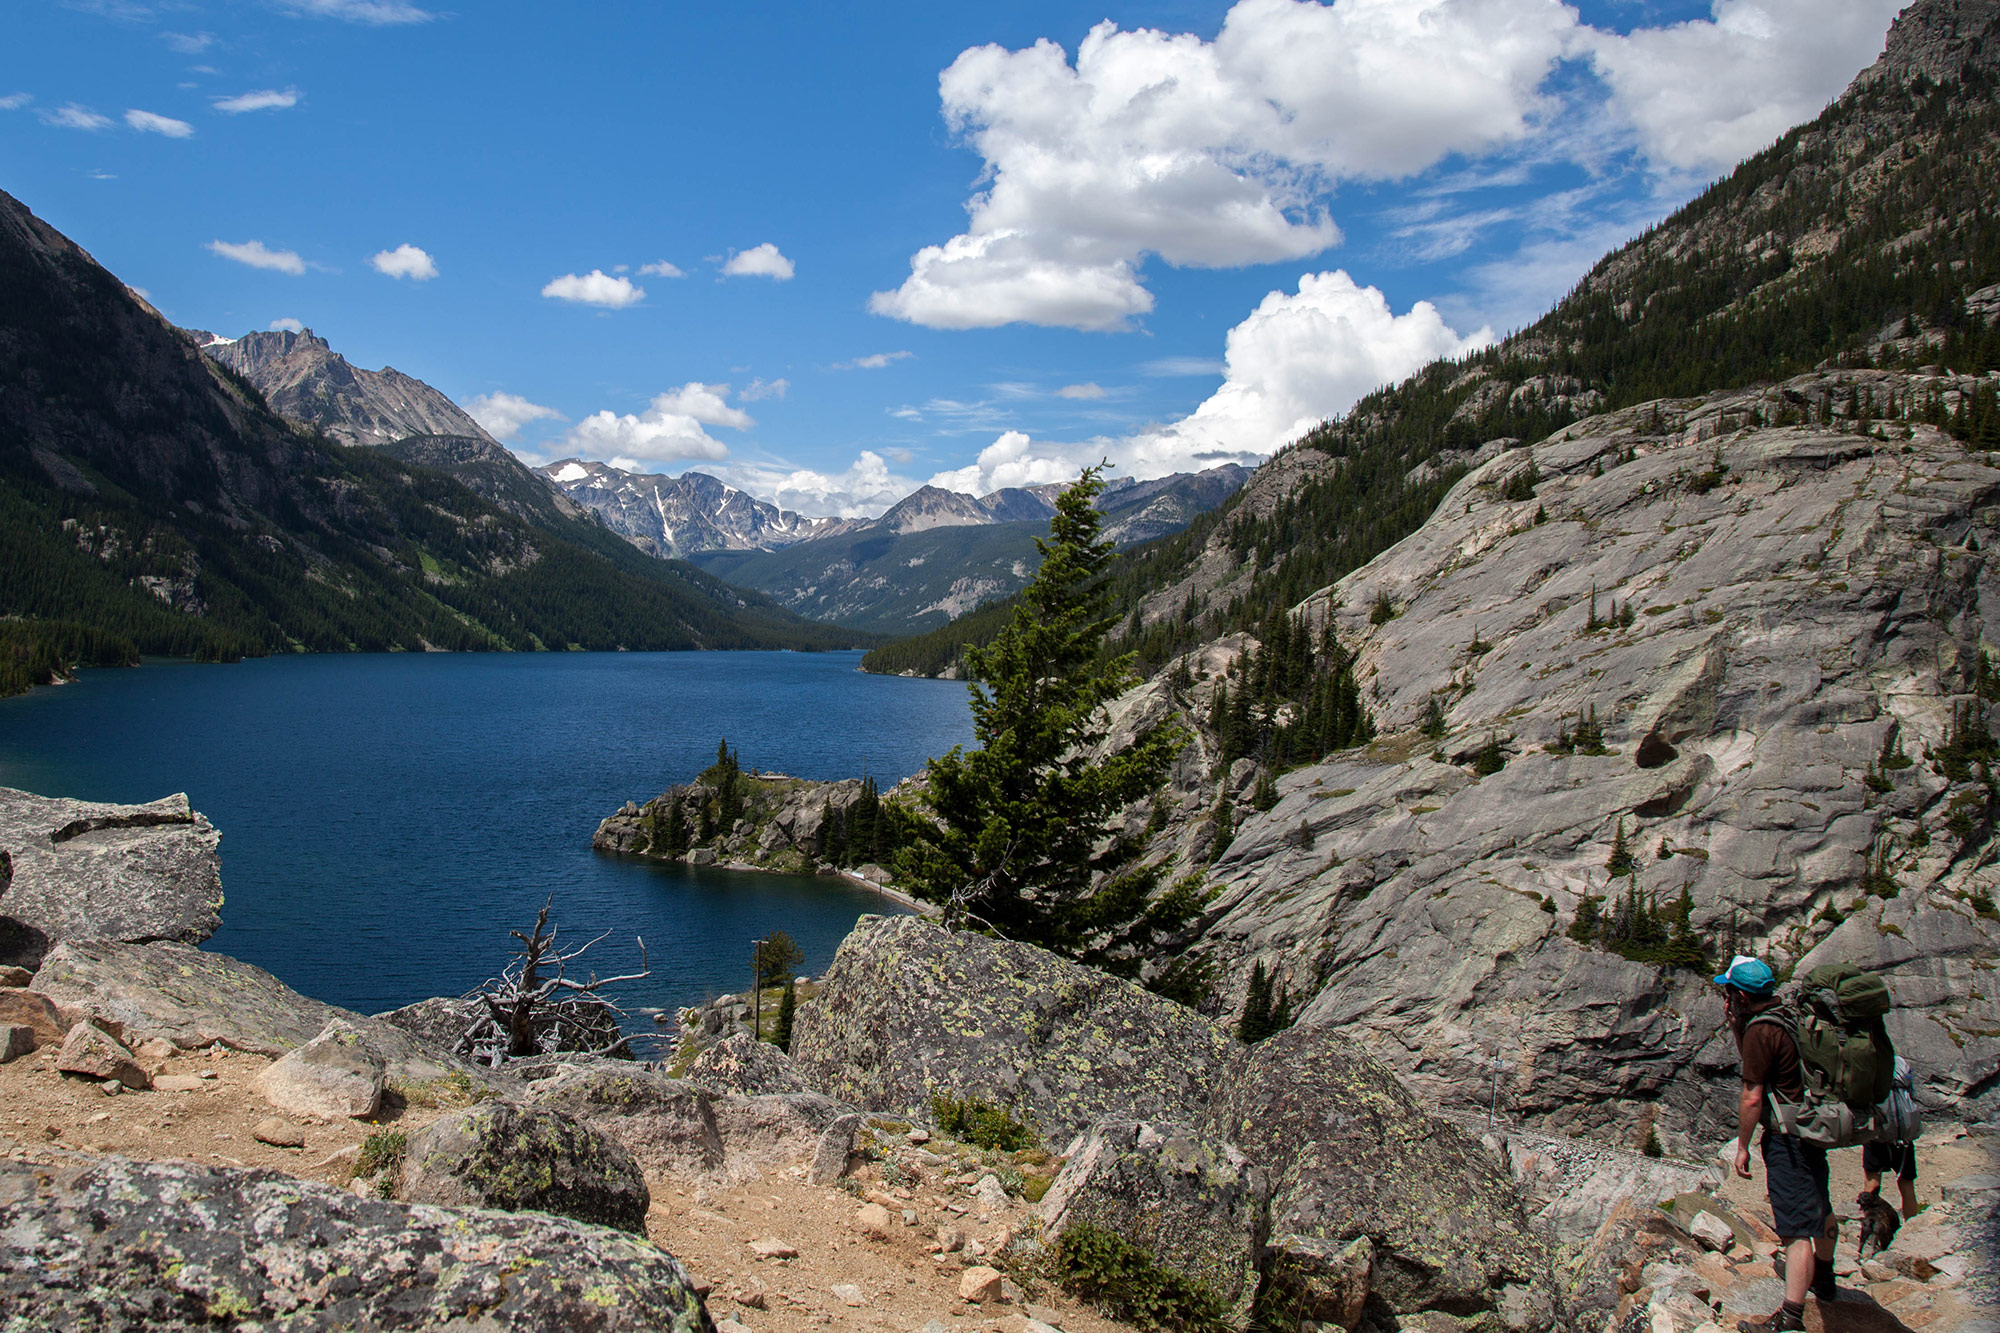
{"type": "Point", "coordinates": [913, 242]}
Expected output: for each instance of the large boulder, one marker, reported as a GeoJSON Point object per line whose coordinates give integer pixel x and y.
{"type": "Point", "coordinates": [740, 1063]}
{"type": "Point", "coordinates": [335, 1074]}
{"type": "Point", "coordinates": [1352, 1153]}
{"type": "Point", "coordinates": [1198, 1207]}
{"type": "Point", "coordinates": [909, 1010]}
{"type": "Point", "coordinates": [194, 999]}
{"type": "Point", "coordinates": [84, 870]}
{"type": "Point", "coordinates": [107, 1243]}
{"type": "Point", "coordinates": [525, 1158]}
{"type": "Point", "coordinates": [666, 1124]}
{"type": "Point", "coordinates": [91, 1052]}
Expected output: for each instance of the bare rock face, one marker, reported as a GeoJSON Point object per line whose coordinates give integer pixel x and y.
{"type": "Point", "coordinates": [1351, 1153]}
{"type": "Point", "coordinates": [666, 1124]}
{"type": "Point", "coordinates": [335, 1074]}
{"type": "Point", "coordinates": [1197, 1207]}
{"type": "Point", "coordinates": [114, 1244]}
{"type": "Point", "coordinates": [1785, 619]}
{"type": "Point", "coordinates": [525, 1159]}
{"type": "Point", "coordinates": [909, 1009]}
{"type": "Point", "coordinates": [772, 1129]}
{"type": "Point", "coordinates": [84, 870]}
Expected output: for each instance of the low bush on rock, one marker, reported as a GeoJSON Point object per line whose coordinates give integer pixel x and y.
{"type": "Point", "coordinates": [1102, 1267]}
{"type": "Point", "coordinates": [382, 1151]}
{"type": "Point", "coordinates": [978, 1122]}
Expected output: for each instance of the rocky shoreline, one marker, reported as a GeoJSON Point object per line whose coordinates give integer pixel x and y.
{"type": "Point", "coordinates": [954, 1108]}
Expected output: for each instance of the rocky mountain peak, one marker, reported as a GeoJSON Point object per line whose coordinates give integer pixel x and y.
{"type": "Point", "coordinates": [302, 377]}
{"type": "Point", "coordinates": [1940, 39]}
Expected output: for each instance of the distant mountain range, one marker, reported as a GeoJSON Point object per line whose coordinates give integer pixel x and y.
{"type": "Point", "coordinates": [932, 556]}
{"type": "Point", "coordinates": [938, 554]}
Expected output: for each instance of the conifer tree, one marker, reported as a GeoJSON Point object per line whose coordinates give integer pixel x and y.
{"type": "Point", "coordinates": [1020, 818]}
{"type": "Point", "coordinates": [1620, 862]}
{"type": "Point", "coordinates": [1254, 1023]}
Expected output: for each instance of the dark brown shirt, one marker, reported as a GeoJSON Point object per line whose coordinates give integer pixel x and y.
{"type": "Point", "coordinates": [1771, 1057]}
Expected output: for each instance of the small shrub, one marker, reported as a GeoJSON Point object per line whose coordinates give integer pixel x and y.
{"type": "Point", "coordinates": [1121, 1279]}
{"type": "Point", "coordinates": [382, 1152]}
{"type": "Point", "coordinates": [1652, 1146]}
{"type": "Point", "coordinates": [1982, 905]}
{"type": "Point", "coordinates": [1491, 758]}
{"type": "Point", "coordinates": [1035, 1187]}
{"type": "Point", "coordinates": [979, 1122]}
{"type": "Point", "coordinates": [1383, 611]}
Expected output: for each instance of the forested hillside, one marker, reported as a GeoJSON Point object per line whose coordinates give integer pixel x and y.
{"type": "Point", "coordinates": [150, 501]}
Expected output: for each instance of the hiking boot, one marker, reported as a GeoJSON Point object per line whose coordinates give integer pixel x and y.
{"type": "Point", "coordinates": [1785, 1319]}
{"type": "Point", "coordinates": [1823, 1288]}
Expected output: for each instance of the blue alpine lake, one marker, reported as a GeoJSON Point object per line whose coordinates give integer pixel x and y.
{"type": "Point", "coordinates": [387, 819]}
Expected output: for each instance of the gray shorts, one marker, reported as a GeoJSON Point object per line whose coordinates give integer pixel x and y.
{"type": "Point", "coordinates": [1795, 1176]}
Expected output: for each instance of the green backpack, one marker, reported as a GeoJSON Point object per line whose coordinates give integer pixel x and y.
{"type": "Point", "coordinates": [1834, 1016]}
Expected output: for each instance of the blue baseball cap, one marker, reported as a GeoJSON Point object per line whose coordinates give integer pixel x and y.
{"type": "Point", "coordinates": [1751, 975]}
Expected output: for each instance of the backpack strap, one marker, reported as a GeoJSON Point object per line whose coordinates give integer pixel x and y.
{"type": "Point", "coordinates": [1780, 1116]}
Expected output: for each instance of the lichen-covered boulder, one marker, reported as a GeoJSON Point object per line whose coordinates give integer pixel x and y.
{"type": "Point", "coordinates": [335, 1074]}
{"type": "Point", "coordinates": [909, 1010]}
{"type": "Point", "coordinates": [666, 1124]}
{"type": "Point", "coordinates": [1198, 1207]}
{"type": "Point", "coordinates": [85, 870]}
{"type": "Point", "coordinates": [1352, 1153]}
{"type": "Point", "coordinates": [740, 1063]}
{"type": "Point", "coordinates": [496, 1155]}
{"type": "Point", "coordinates": [107, 1243]}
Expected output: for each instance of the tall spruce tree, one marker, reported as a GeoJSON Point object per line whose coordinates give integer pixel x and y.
{"type": "Point", "coordinates": [1020, 819]}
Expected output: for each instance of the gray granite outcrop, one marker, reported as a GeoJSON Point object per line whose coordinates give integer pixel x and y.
{"type": "Point", "coordinates": [1758, 617]}
{"type": "Point", "coordinates": [86, 870]}
{"type": "Point", "coordinates": [196, 999]}
{"type": "Point", "coordinates": [909, 1010]}
{"type": "Point", "coordinates": [108, 1243]}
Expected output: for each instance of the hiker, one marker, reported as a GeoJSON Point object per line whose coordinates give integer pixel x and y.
{"type": "Point", "coordinates": [1795, 1172]}
{"type": "Point", "coordinates": [1877, 1159]}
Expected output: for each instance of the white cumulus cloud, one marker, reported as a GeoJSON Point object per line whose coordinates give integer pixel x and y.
{"type": "Point", "coordinates": [661, 269]}
{"type": "Point", "coordinates": [1210, 154]}
{"type": "Point", "coordinates": [1704, 94]}
{"type": "Point", "coordinates": [148, 122]}
{"type": "Point", "coordinates": [406, 261]}
{"type": "Point", "coordinates": [671, 427]}
{"type": "Point", "coordinates": [71, 116]}
{"type": "Point", "coordinates": [504, 414]}
{"type": "Point", "coordinates": [595, 288]}
{"type": "Point", "coordinates": [760, 389]}
{"type": "Point", "coordinates": [864, 489]}
{"type": "Point", "coordinates": [759, 261]}
{"type": "Point", "coordinates": [286, 325]}
{"type": "Point", "coordinates": [265, 99]}
{"type": "Point", "coordinates": [258, 255]}
{"type": "Point", "coordinates": [1298, 359]}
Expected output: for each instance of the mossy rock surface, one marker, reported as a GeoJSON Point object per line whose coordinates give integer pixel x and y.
{"type": "Point", "coordinates": [497, 1155]}
{"type": "Point", "coordinates": [909, 1009]}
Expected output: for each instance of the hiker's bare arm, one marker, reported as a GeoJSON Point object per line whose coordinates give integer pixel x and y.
{"type": "Point", "coordinates": [1749, 1110]}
